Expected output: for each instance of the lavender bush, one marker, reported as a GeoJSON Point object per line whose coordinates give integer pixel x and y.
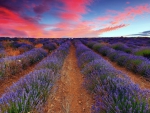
{"type": "Point", "coordinates": [15, 64]}
{"type": "Point", "coordinates": [25, 47]}
{"type": "Point", "coordinates": [49, 46]}
{"type": "Point", "coordinates": [30, 92]}
{"type": "Point", "coordinates": [137, 50]}
{"type": "Point", "coordinates": [55, 61]}
{"type": "Point", "coordinates": [1, 46]}
{"type": "Point", "coordinates": [121, 47]}
{"type": "Point", "coordinates": [90, 44]}
{"type": "Point", "coordinates": [129, 61]}
{"type": "Point", "coordinates": [142, 51]}
{"type": "Point", "coordinates": [2, 53]}
{"type": "Point", "coordinates": [114, 91]}
{"type": "Point", "coordinates": [86, 57]}
{"type": "Point", "coordinates": [96, 46]}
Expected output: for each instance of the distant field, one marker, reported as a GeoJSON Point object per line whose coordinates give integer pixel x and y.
{"type": "Point", "coordinates": [84, 75]}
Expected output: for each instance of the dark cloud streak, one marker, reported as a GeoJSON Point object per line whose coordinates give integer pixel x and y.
{"type": "Point", "coordinates": [44, 6]}
{"type": "Point", "coordinates": [144, 33]}
{"type": "Point", "coordinates": [11, 5]}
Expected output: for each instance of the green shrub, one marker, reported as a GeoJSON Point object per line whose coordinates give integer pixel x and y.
{"type": "Point", "coordinates": [90, 44]}
{"type": "Point", "coordinates": [143, 52]}
{"type": "Point", "coordinates": [97, 46]}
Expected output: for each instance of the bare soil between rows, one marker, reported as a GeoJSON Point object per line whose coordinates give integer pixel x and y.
{"type": "Point", "coordinates": [136, 78]}
{"type": "Point", "coordinates": [68, 94]}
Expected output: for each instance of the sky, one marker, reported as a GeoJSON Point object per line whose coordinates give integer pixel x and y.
{"type": "Point", "coordinates": [74, 18]}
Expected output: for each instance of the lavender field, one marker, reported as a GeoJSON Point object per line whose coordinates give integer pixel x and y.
{"type": "Point", "coordinates": [78, 75]}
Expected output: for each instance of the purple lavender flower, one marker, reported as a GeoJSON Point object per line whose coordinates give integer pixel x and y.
{"type": "Point", "coordinates": [30, 92]}
{"type": "Point", "coordinates": [114, 91]}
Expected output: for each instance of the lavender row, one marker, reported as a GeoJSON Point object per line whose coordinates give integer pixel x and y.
{"type": "Point", "coordinates": [114, 92]}
{"type": "Point", "coordinates": [50, 46]}
{"type": "Point", "coordinates": [22, 47]}
{"type": "Point", "coordinates": [137, 64]}
{"type": "Point", "coordinates": [131, 42]}
{"type": "Point", "coordinates": [47, 40]}
{"type": "Point", "coordinates": [1, 46]}
{"type": "Point", "coordinates": [15, 64]}
{"type": "Point", "coordinates": [25, 47]}
{"type": "Point", "coordinates": [139, 51]}
{"type": "Point", "coordinates": [55, 61]}
{"type": "Point", "coordinates": [31, 92]}
{"type": "Point", "coordinates": [122, 47]}
{"type": "Point", "coordinates": [2, 53]}
{"type": "Point", "coordinates": [16, 44]}
{"type": "Point", "coordinates": [140, 47]}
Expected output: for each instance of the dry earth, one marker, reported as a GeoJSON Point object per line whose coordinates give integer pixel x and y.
{"type": "Point", "coordinates": [12, 52]}
{"type": "Point", "coordinates": [136, 78]}
{"type": "Point", "coordinates": [68, 95]}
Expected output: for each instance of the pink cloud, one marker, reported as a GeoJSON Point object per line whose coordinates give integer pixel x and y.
{"type": "Point", "coordinates": [104, 18]}
{"type": "Point", "coordinates": [130, 13]}
{"type": "Point", "coordinates": [82, 29]}
{"type": "Point", "coordinates": [11, 21]}
{"type": "Point", "coordinates": [26, 27]}
{"type": "Point", "coordinates": [77, 6]}
{"type": "Point", "coordinates": [73, 9]}
{"type": "Point", "coordinates": [116, 22]}
{"type": "Point", "coordinates": [64, 25]}
{"type": "Point", "coordinates": [111, 28]}
{"type": "Point", "coordinates": [69, 16]}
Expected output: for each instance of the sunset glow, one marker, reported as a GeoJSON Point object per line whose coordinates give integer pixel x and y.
{"type": "Point", "coordinates": [74, 18]}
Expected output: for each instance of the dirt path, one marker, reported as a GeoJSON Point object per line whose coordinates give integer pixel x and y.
{"type": "Point", "coordinates": [138, 79]}
{"type": "Point", "coordinates": [68, 95]}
